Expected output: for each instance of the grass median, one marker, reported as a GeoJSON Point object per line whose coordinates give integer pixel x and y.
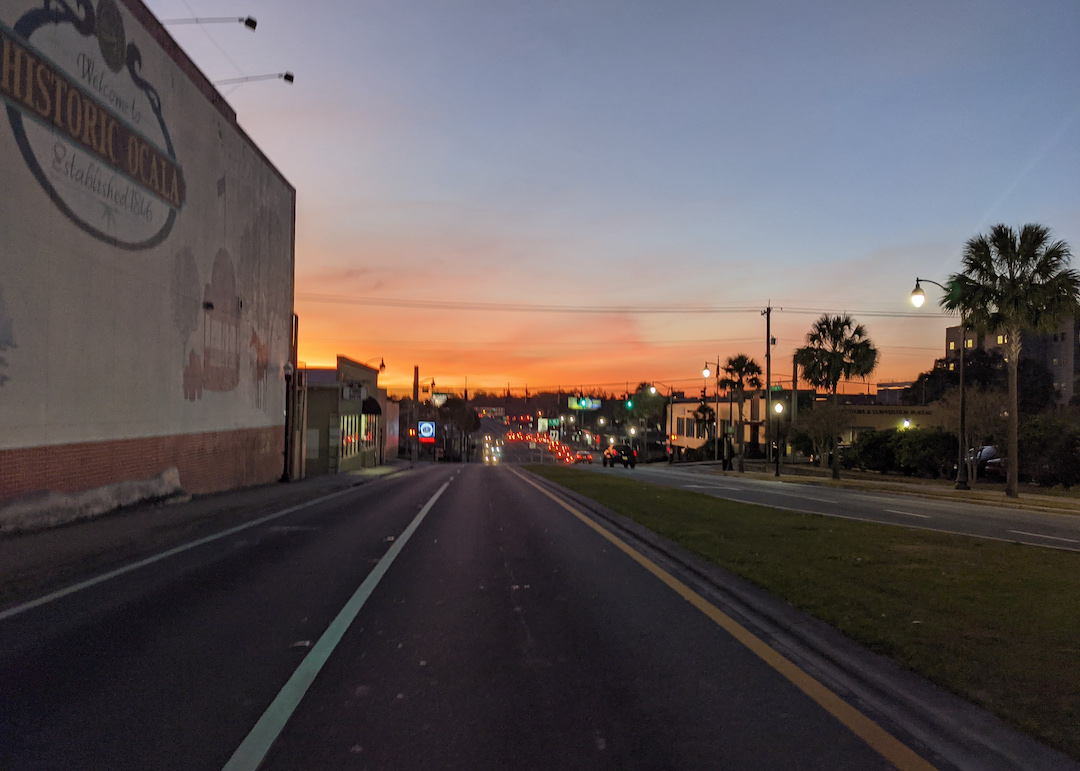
{"type": "Point", "coordinates": [997, 623]}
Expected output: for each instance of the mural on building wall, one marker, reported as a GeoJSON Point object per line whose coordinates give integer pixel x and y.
{"type": "Point", "coordinates": [7, 337]}
{"type": "Point", "coordinates": [89, 127]}
{"type": "Point", "coordinates": [216, 365]}
{"type": "Point", "coordinates": [264, 296]}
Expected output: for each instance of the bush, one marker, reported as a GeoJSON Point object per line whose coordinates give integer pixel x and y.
{"type": "Point", "coordinates": [926, 451]}
{"type": "Point", "coordinates": [1050, 451]}
{"type": "Point", "coordinates": [876, 450]}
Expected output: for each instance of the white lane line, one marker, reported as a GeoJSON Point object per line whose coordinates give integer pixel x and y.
{"type": "Point", "coordinates": [253, 749]}
{"type": "Point", "coordinates": [16, 610]}
{"type": "Point", "coordinates": [908, 513]}
{"type": "Point", "coordinates": [712, 487]}
{"type": "Point", "coordinates": [804, 497]}
{"type": "Point", "coordinates": [1040, 535]}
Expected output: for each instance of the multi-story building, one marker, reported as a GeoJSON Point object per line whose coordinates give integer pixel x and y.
{"type": "Point", "coordinates": [1059, 351]}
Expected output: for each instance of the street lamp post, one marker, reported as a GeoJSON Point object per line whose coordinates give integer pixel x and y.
{"type": "Point", "coordinates": [918, 297]}
{"type": "Point", "coordinates": [778, 408]}
{"type": "Point", "coordinates": [247, 21]}
{"type": "Point", "coordinates": [668, 420]}
{"type": "Point", "coordinates": [716, 435]}
{"type": "Point", "coordinates": [286, 76]}
{"type": "Point", "coordinates": [285, 471]}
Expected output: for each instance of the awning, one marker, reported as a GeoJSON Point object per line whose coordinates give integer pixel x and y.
{"type": "Point", "coordinates": [371, 406]}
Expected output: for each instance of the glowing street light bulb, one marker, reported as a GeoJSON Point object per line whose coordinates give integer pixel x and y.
{"type": "Point", "coordinates": [918, 296]}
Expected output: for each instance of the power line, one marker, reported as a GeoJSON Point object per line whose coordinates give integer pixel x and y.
{"type": "Point", "coordinates": [635, 310]}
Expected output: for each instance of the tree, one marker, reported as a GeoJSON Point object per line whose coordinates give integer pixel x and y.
{"type": "Point", "coordinates": [836, 349]}
{"type": "Point", "coordinates": [705, 418]}
{"type": "Point", "coordinates": [1013, 283]}
{"type": "Point", "coordinates": [742, 373]}
{"type": "Point", "coordinates": [984, 419]}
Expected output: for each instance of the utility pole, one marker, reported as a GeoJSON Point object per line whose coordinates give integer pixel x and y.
{"type": "Point", "coordinates": [767, 313]}
{"type": "Point", "coordinates": [794, 389]}
{"type": "Point", "coordinates": [414, 418]}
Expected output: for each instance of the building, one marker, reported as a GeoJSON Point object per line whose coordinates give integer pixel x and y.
{"type": "Point", "coordinates": [146, 301]}
{"type": "Point", "coordinates": [346, 428]}
{"type": "Point", "coordinates": [1059, 351]}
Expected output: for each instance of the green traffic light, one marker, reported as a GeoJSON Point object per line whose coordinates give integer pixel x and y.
{"type": "Point", "coordinates": [629, 404]}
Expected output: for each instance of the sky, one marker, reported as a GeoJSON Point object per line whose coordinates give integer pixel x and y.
{"type": "Point", "coordinates": [594, 193]}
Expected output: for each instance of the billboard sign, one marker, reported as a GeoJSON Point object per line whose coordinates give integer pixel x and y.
{"type": "Point", "coordinates": [583, 403]}
{"type": "Point", "coordinates": [426, 431]}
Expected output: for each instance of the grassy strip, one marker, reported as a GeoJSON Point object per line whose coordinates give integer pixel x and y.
{"type": "Point", "coordinates": [996, 623]}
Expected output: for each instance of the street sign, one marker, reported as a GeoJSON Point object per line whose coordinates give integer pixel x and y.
{"type": "Point", "coordinates": [426, 429]}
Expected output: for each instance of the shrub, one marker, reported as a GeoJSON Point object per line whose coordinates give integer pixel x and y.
{"type": "Point", "coordinates": [1050, 451]}
{"type": "Point", "coordinates": [926, 451]}
{"type": "Point", "coordinates": [876, 450]}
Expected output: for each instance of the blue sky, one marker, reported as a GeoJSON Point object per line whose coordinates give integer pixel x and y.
{"type": "Point", "coordinates": [651, 155]}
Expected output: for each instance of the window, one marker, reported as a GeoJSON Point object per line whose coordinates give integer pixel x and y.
{"type": "Point", "coordinates": [1002, 339]}
{"type": "Point", "coordinates": [952, 366]}
{"type": "Point", "coordinates": [952, 345]}
{"type": "Point", "coordinates": [969, 343]}
{"type": "Point", "coordinates": [350, 435]}
{"type": "Point", "coordinates": [680, 426]}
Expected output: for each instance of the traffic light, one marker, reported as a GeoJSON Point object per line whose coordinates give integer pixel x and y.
{"type": "Point", "coordinates": [629, 404]}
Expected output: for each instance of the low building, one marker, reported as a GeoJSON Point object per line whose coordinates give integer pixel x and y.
{"type": "Point", "coordinates": [346, 428]}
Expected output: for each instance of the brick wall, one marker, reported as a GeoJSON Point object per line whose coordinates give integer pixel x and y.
{"type": "Point", "coordinates": [208, 462]}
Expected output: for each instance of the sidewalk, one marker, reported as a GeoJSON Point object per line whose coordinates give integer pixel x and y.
{"type": "Point", "coordinates": [35, 563]}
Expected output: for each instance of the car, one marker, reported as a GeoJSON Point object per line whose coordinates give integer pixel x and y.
{"type": "Point", "coordinates": [581, 456]}
{"type": "Point", "coordinates": [624, 454]}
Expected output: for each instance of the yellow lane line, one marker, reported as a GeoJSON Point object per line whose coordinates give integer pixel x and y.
{"type": "Point", "coordinates": [880, 740]}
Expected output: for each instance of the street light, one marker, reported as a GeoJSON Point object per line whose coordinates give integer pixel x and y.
{"type": "Point", "coordinates": [918, 297]}
{"type": "Point", "coordinates": [778, 408]}
{"type": "Point", "coordinates": [286, 76]}
{"type": "Point", "coordinates": [247, 21]}
{"type": "Point", "coordinates": [288, 370]}
{"type": "Point", "coordinates": [716, 434]}
{"type": "Point", "coordinates": [382, 363]}
{"type": "Point", "coordinates": [668, 422]}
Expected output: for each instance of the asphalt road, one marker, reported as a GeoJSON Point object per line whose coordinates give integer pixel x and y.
{"type": "Point", "coordinates": [448, 617]}
{"type": "Point", "coordinates": [1035, 528]}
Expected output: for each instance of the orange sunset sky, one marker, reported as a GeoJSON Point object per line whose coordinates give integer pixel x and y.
{"type": "Point", "coordinates": [599, 193]}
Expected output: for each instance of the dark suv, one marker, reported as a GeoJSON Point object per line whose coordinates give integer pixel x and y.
{"type": "Point", "coordinates": [621, 453]}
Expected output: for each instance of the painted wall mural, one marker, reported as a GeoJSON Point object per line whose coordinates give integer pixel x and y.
{"type": "Point", "coordinates": [147, 242]}
{"type": "Point", "coordinates": [90, 128]}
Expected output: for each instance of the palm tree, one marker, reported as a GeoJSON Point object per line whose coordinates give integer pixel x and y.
{"type": "Point", "coordinates": [742, 373]}
{"type": "Point", "coordinates": [836, 349]}
{"type": "Point", "coordinates": [1013, 283]}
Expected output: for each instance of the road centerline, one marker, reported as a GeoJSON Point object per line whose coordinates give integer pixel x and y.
{"type": "Point", "coordinates": [253, 749]}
